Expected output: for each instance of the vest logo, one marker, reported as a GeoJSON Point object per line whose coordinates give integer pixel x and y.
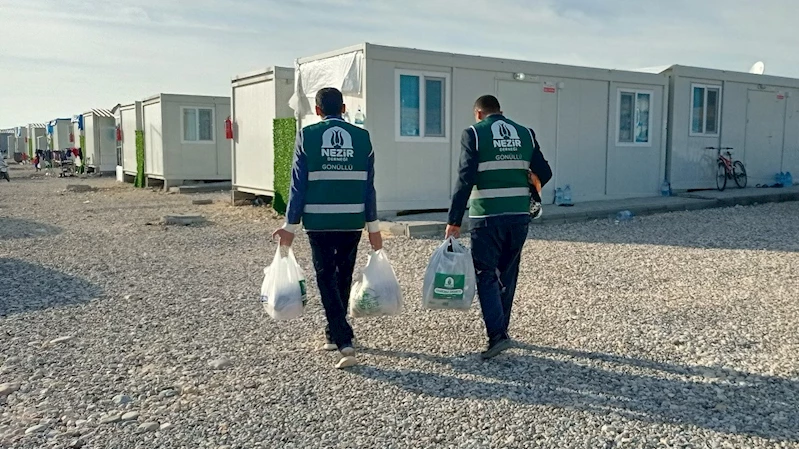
{"type": "Point", "coordinates": [449, 283]}
{"type": "Point", "coordinates": [337, 145]}
{"type": "Point", "coordinates": [506, 138]}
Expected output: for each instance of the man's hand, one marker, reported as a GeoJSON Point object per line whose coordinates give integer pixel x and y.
{"type": "Point", "coordinates": [452, 231]}
{"type": "Point", "coordinates": [285, 237]}
{"type": "Point", "coordinates": [376, 240]}
{"type": "Point", "coordinates": [533, 179]}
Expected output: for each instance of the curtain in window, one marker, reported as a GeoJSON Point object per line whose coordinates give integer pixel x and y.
{"type": "Point", "coordinates": [626, 117]}
{"type": "Point", "coordinates": [190, 125]}
{"type": "Point", "coordinates": [434, 107]}
{"type": "Point", "coordinates": [712, 111]}
{"type": "Point", "coordinates": [206, 130]}
{"type": "Point", "coordinates": [642, 124]}
{"type": "Point", "coordinates": [409, 105]}
{"type": "Point", "coordinates": [697, 124]}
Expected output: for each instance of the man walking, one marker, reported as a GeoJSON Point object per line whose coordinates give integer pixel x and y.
{"type": "Point", "coordinates": [333, 194]}
{"type": "Point", "coordinates": [499, 160]}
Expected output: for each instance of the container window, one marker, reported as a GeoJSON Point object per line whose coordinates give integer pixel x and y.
{"type": "Point", "coordinates": [421, 106]}
{"type": "Point", "coordinates": [705, 110]}
{"type": "Point", "coordinates": [634, 119]}
{"type": "Point", "coordinates": [198, 125]}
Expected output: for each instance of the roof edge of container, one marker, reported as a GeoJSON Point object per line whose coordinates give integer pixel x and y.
{"type": "Point", "coordinates": [275, 69]}
{"type": "Point", "coordinates": [733, 75]}
{"type": "Point", "coordinates": [341, 51]}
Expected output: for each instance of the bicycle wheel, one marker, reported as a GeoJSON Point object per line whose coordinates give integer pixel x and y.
{"type": "Point", "coordinates": [739, 174]}
{"type": "Point", "coordinates": [721, 176]}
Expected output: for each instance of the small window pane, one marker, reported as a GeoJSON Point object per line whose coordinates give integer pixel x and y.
{"type": "Point", "coordinates": [697, 124]}
{"type": "Point", "coordinates": [434, 107]}
{"type": "Point", "coordinates": [206, 125]}
{"type": "Point", "coordinates": [711, 127]}
{"type": "Point", "coordinates": [409, 105]}
{"type": "Point", "coordinates": [642, 121]}
{"type": "Point", "coordinates": [626, 117]}
{"type": "Point", "coordinates": [190, 125]}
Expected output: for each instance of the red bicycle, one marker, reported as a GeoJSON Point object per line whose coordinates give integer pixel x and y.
{"type": "Point", "coordinates": [728, 169]}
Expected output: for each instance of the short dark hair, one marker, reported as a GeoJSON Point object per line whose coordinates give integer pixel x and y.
{"type": "Point", "coordinates": [488, 104]}
{"type": "Point", "coordinates": [330, 100]}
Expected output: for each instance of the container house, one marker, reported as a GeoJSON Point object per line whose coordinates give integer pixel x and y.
{"type": "Point", "coordinates": [756, 115]}
{"type": "Point", "coordinates": [99, 129]}
{"type": "Point", "coordinates": [257, 98]}
{"type": "Point", "coordinates": [184, 139]}
{"type": "Point", "coordinates": [603, 131]}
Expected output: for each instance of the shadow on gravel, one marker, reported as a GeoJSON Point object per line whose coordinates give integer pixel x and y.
{"type": "Point", "coordinates": [16, 228]}
{"type": "Point", "coordinates": [717, 399]}
{"type": "Point", "coordinates": [26, 287]}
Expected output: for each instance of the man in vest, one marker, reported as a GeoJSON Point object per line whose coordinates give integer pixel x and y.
{"type": "Point", "coordinates": [499, 161]}
{"type": "Point", "coordinates": [333, 194]}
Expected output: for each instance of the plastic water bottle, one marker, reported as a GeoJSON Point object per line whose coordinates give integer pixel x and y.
{"type": "Point", "coordinates": [567, 196]}
{"type": "Point", "coordinates": [624, 216]}
{"type": "Point", "coordinates": [558, 196]}
{"type": "Point", "coordinates": [665, 188]}
{"type": "Point", "coordinates": [359, 117]}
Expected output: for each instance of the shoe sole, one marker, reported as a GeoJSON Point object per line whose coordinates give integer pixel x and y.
{"type": "Point", "coordinates": [329, 347]}
{"type": "Point", "coordinates": [502, 346]}
{"type": "Point", "coordinates": [346, 362]}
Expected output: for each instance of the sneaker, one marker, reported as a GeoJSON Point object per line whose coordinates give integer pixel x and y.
{"type": "Point", "coordinates": [328, 346]}
{"type": "Point", "coordinates": [496, 348]}
{"type": "Point", "coordinates": [347, 358]}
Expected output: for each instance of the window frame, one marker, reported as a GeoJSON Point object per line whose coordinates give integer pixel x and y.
{"type": "Point", "coordinates": [704, 132]}
{"type": "Point", "coordinates": [635, 93]}
{"type": "Point", "coordinates": [197, 115]}
{"type": "Point", "coordinates": [446, 117]}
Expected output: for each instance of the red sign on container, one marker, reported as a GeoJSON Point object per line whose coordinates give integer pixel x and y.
{"type": "Point", "coordinates": [550, 89]}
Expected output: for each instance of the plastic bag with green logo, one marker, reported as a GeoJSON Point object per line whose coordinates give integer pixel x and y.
{"type": "Point", "coordinates": [450, 281]}
{"type": "Point", "coordinates": [378, 292]}
{"type": "Point", "coordinates": [283, 289]}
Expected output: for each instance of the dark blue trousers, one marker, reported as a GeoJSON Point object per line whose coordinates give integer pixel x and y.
{"type": "Point", "coordinates": [334, 255]}
{"type": "Point", "coordinates": [496, 251]}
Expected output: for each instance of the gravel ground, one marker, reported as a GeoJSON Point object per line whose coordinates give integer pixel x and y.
{"type": "Point", "coordinates": [675, 330]}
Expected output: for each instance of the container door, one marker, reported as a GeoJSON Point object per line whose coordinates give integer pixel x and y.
{"type": "Point", "coordinates": [765, 127]}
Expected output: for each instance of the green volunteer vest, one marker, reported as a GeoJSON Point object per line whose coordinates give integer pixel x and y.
{"type": "Point", "coordinates": [337, 154]}
{"type": "Point", "coordinates": [505, 150]}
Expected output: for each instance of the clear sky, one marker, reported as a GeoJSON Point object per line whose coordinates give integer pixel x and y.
{"type": "Point", "coordinates": [63, 57]}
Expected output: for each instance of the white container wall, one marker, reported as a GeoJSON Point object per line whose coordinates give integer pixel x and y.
{"type": "Point", "coordinates": [184, 138]}
{"type": "Point", "coordinates": [77, 132]}
{"type": "Point", "coordinates": [62, 129]}
{"type": "Point", "coordinates": [603, 131]}
{"type": "Point", "coordinates": [100, 137]}
{"type": "Point", "coordinates": [4, 136]}
{"type": "Point", "coordinates": [34, 131]}
{"type": "Point", "coordinates": [757, 115]}
{"type": "Point", "coordinates": [129, 118]}
{"type": "Point", "coordinates": [19, 140]}
{"type": "Point", "coordinates": [257, 99]}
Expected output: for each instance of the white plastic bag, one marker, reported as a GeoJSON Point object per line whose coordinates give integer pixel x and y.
{"type": "Point", "coordinates": [283, 289]}
{"type": "Point", "coordinates": [378, 292]}
{"type": "Point", "coordinates": [449, 281]}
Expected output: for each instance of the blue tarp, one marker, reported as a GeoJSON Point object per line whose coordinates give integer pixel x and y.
{"type": "Point", "coordinates": [79, 120]}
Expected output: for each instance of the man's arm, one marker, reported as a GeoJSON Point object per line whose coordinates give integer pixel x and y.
{"type": "Point", "coordinates": [467, 175]}
{"type": "Point", "coordinates": [539, 166]}
{"type": "Point", "coordinates": [299, 184]}
{"type": "Point", "coordinates": [370, 204]}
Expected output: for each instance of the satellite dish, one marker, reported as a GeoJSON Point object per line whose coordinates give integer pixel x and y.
{"type": "Point", "coordinates": [758, 68]}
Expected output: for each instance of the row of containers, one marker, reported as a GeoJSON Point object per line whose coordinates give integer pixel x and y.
{"type": "Point", "coordinates": [609, 134]}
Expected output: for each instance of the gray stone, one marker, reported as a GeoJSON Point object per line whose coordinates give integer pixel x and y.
{"type": "Point", "coordinates": [219, 363]}
{"type": "Point", "coordinates": [63, 339]}
{"type": "Point", "coordinates": [8, 388]}
{"type": "Point", "coordinates": [202, 202]}
{"type": "Point", "coordinates": [122, 399]}
{"type": "Point", "coordinates": [147, 427]}
{"type": "Point", "coordinates": [35, 429]}
{"type": "Point", "coordinates": [182, 220]}
{"type": "Point", "coordinates": [112, 418]}
{"type": "Point", "coordinates": [130, 416]}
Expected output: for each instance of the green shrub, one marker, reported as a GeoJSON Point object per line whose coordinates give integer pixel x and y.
{"type": "Point", "coordinates": [139, 182]}
{"type": "Point", "coordinates": [30, 147]}
{"type": "Point", "coordinates": [285, 131]}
